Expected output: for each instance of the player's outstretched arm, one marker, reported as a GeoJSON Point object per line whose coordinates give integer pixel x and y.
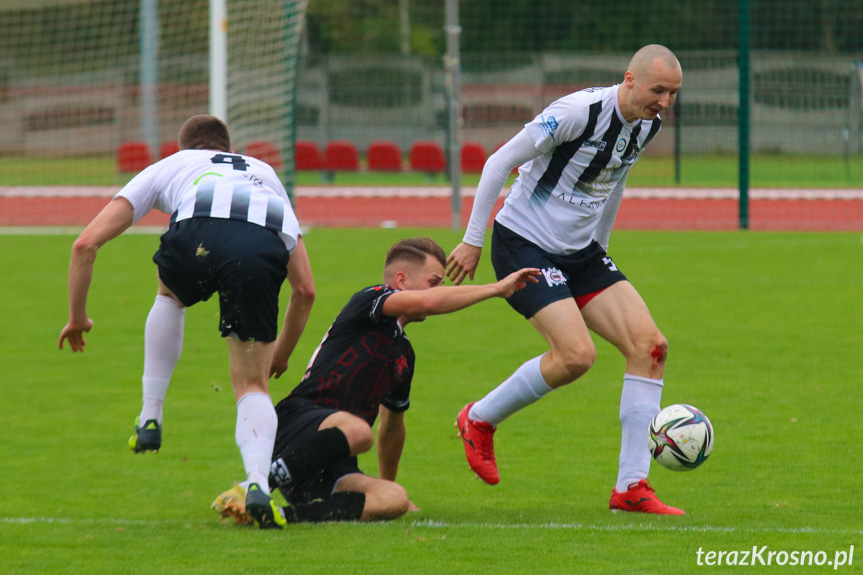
{"type": "Point", "coordinates": [114, 218]}
{"type": "Point", "coordinates": [447, 299]}
{"type": "Point", "coordinates": [298, 310]}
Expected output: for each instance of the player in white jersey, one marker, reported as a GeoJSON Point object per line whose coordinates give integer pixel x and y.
{"type": "Point", "coordinates": [232, 231]}
{"type": "Point", "coordinates": [574, 160]}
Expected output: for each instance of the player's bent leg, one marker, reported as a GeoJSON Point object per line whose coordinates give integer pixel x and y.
{"type": "Point", "coordinates": [571, 350]}
{"type": "Point", "coordinates": [163, 344]}
{"type": "Point", "coordinates": [385, 500]}
{"type": "Point", "coordinates": [356, 430]}
{"type": "Point", "coordinates": [620, 316]}
{"type": "Point", "coordinates": [308, 458]}
{"type": "Point", "coordinates": [570, 355]}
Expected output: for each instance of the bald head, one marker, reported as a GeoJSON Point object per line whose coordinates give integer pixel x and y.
{"type": "Point", "coordinates": [644, 61]}
{"type": "Point", "coordinates": [650, 84]}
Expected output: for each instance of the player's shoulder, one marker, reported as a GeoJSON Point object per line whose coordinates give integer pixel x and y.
{"type": "Point", "coordinates": [588, 96]}
{"type": "Point", "coordinates": [577, 104]}
{"type": "Point", "coordinates": [366, 304]}
{"type": "Point", "coordinates": [370, 293]}
{"type": "Point", "coordinates": [185, 158]}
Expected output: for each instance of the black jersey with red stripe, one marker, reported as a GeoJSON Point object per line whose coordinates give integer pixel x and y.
{"type": "Point", "coordinates": [364, 360]}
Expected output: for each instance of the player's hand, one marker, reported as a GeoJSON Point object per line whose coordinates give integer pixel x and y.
{"type": "Point", "coordinates": [462, 262]}
{"type": "Point", "coordinates": [278, 368]}
{"type": "Point", "coordinates": [279, 365]}
{"type": "Point", "coordinates": [74, 333]}
{"type": "Point", "coordinates": [518, 281]}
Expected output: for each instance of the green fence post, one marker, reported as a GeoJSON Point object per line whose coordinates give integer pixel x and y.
{"type": "Point", "coordinates": [678, 125]}
{"type": "Point", "coordinates": [743, 115]}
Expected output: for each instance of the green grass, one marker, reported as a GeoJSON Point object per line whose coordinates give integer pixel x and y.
{"type": "Point", "coordinates": [765, 337]}
{"type": "Point", "coordinates": [767, 171]}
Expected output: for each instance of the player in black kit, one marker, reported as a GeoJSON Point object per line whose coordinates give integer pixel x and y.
{"type": "Point", "coordinates": [362, 368]}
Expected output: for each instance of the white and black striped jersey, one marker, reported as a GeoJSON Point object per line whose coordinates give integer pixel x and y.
{"type": "Point", "coordinates": [587, 150]}
{"type": "Point", "coordinates": [212, 184]}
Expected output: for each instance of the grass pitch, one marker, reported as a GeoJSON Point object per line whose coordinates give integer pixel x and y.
{"type": "Point", "coordinates": [765, 337]}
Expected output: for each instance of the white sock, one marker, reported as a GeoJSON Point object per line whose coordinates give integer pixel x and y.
{"type": "Point", "coordinates": [522, 388]}
{"type": "Point", "coordinates": [256, 435]}
{"type": "Point", "coordinates": [163, 343]}
{"type": "Point", "coordinates": [639, 403]}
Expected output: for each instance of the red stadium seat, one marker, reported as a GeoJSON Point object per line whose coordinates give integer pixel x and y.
{"type": "Point", "coordinates": [169, 148]}
{"type": "Point", "coordinates": [266, 152]}
{"type": "Point", "coordinates": [341, 156]}
{"type": "Point", "coordinates": [427, 156]}
{"type": "Point", "coordinates": [472, 157]}
{"type": "Point", "coordinates": [384, 156]}
{"type": "Point", "coordinates": [133, 156]}
{"type": "Point", "coordinates": [308, 156]}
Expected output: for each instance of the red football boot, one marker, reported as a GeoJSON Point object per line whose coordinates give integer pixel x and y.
{"type": "Point", "coordinates": [478, 446]}
{"type": "Point", "coordinates": [640, 498]}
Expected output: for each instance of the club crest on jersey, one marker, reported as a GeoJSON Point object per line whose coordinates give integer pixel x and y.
{"type": "Point", "coordinates": [554, 277]}
{"type": "Point", "coordinates": [549, 125]}
{"type": "Point", "coordinates": [621, 145]}
{"type": "Point", "coordinates": [401, 364]}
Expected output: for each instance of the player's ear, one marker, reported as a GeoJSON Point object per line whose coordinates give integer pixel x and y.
{"type": "Point", "coordinates": [401, 280]}
{"type": "Point", "coordinates": [629, 79]}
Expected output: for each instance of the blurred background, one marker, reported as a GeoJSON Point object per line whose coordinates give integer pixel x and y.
{"type": "Point", "coordinates": [368, 95]}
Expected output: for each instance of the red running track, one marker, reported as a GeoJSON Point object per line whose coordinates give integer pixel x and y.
{"type": "Point", "coordinates": [333, 211]}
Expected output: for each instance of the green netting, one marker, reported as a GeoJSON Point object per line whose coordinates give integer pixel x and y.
{"type": "Point", "coordinates": [73, 89]}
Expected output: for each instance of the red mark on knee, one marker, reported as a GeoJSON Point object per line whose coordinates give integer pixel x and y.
{"type": "Point", "coordinates": [659, 353]}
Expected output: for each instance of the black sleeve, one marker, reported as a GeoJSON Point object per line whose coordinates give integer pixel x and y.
{"type": "Point", "coordinates": [399, 400]}
{"type": "Point", "coordinates": [367, 305]}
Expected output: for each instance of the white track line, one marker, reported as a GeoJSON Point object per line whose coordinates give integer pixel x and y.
{"type": "Point", "coordinates": [430, 524]}
{"type": "Point", "coordinates": [71, 230]}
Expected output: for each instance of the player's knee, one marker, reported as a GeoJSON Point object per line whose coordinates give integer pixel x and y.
{"type": "Point", "coordinates": [388, 500]}
{"type": "Point", "coordinates": [359, 435]}
{"type": "Point", "coordinates": [654, 348]}
{"type": "Point", "coordinates": [576, 362]}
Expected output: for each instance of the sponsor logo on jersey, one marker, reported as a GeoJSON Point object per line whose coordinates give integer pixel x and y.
{"type": "Point", "coordinates": [554, 277]}
{"type": "Point", "coordinates": [255, 180]}
{"type": "Point", "coordinates": [549, 125]}
{"type": "Point", "coordinates": [598, 144]}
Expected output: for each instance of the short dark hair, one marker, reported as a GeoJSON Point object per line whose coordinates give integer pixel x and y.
{"type": "Point", "coordinates": [416, 250]}
{"type": "Point", "coordinates": [203, 132]}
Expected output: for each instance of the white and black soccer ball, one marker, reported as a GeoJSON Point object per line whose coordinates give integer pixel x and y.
{"type": "Point", "coordinates": [680, 437]}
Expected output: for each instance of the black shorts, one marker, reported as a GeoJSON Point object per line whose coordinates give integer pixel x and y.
{"type": "Point", "coordinates": [579, 275]}
{"type": "Point", "coordinates": [299, 418]}
{"type": "Point", "coordinates": [244, 262]}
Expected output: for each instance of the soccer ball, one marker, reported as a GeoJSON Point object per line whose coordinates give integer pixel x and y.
{"type": "Point", "coordinates": [680, 437]}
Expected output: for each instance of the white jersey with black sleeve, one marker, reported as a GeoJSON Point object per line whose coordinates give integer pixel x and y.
{"type": "Point", "coordinates": [586, 149]}
{"type": "Point", "coordinates": [213, 184]}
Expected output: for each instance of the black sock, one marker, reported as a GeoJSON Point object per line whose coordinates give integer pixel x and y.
{"type": "Point", "coordinates": [316, 454]}
{"type": "Point", "coordinates": [340, 506]}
